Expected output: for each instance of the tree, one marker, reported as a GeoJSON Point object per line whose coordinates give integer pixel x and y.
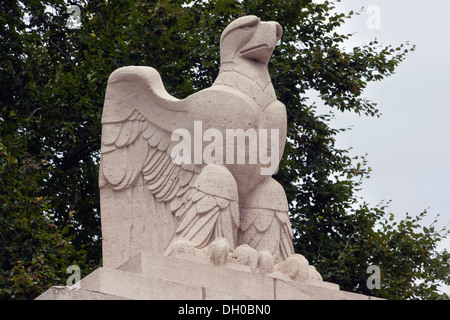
{"type": "Point", "coordinates": [34, 251]}
{"type": "Point", "coordinates": [53, 82]}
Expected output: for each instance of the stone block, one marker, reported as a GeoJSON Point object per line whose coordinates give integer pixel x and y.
{"type": "Point", "coordinates": [151, 276]}
{"type": "Point", "coordinates": [216, 279]}
{"type": "Point", "coordinates": [290, 290]}
{"type": "Point", "coordinates": [138, 286]}
{"type": "Point", "coordinates": [69, 293]}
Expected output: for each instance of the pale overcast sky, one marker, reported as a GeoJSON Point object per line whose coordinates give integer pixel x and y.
{"type": "Point", "coordinates": [408, 146]}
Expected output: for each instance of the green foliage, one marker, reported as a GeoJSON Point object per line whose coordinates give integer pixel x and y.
{"type": "Point", "coordinates": [406, 253]}
{"type": "Point", "coordinates": [34, 252]}
{"type": "Point", "coordinates": [53, 81]}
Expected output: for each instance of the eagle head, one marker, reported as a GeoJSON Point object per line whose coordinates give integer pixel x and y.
{"type": "Point", "coordinates": [249, 38]}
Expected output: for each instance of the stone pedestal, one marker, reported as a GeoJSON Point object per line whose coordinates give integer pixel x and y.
{"type": "Point", "coordinates": [156, 277]}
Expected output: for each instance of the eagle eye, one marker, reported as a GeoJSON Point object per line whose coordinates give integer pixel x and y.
{"type": "Point", "coordinates": [250, 26]}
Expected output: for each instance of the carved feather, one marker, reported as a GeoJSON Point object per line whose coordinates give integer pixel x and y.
{"type": "Point", "coordinates": [206, 204]}
{"type": "Point", "coordinates": [155, 138]}
{"type": "Point", "coordinates": [136, 136]}
{"type": "Point", "coordinates": [124, 135]}
{"type": "Point", "coordinates": [110, 132]}
{"type": "Point", "coordinates": [202, 219]}
{"type": "Point", "coordinates": [261, 227]}
{"type": "Point", "coordinates": [148, 132]}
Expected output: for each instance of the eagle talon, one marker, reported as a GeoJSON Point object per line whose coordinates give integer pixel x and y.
{"type": "Point", "coordinates": [182, 248]}
{"type": "Point", "coordinates": [259, 262]}
{"type": "Point", "coordinates": [218, 251]}
{"type": "Point", "coordinates": [296, 267]}
{"type": "Point", "coordinates": [265, 262]}
{"type": "Point", "coordinates": [314, 274]}
{"type": "Point", "coordinates": [246, 256]}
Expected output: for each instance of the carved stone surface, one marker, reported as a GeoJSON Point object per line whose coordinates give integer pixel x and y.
{"type": "Point", "coordinates": [153, 276]}
{"type": "Point", "coordinates": [193, 176]}
{"type": "Point", "coordinates": [209, 228]}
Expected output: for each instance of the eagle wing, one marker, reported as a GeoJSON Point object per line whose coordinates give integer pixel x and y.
{"type": "Point", "coordinates": [138, 119]}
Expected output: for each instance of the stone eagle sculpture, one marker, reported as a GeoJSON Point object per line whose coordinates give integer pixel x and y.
{"type": "Point", "coordinates": [230, 210]}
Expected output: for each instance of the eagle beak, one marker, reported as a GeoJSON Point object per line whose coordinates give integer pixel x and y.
{"type": "Point", "coordinates": [263, 42]}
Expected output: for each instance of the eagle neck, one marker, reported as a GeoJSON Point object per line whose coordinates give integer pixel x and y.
{"type": "Point", "coordinates": [250, 80]}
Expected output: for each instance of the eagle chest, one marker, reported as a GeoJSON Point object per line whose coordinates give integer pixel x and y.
{"type": "Point", "coordinates": [273, 112]}
{"type": "Point", "coordinates": [263, 94]}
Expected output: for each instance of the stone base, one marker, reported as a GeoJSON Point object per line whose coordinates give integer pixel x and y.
{"type": "Point", "coordinates": [155, 277]}
{"type": "Point", "coordinates": [73, 293]}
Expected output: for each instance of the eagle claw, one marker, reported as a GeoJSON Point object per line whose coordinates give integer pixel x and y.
{"type": "Point", "coordinates": [218, 251]}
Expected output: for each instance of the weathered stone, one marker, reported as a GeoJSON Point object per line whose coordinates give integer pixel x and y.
{"type": "Point", "coordinates": [187, 214]}
{"type": "Point", "coordinates": [151, 196]}
{"type": "Point", "coordinates": [153, 276]}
